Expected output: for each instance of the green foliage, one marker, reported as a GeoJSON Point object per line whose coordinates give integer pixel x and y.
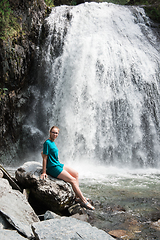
{"type": "Point", "coordinates": [49, 3]}
{"type": "Point", "coordinates": [121, 2]}
{"type": "Point", "coordinates": [2, 92]}
{"type": "Point", "coordinates": [73, 3]}
{"type": "Point", "coordinates": [8, 23]}
{"type": "Point", "coordinates": [153, 13]}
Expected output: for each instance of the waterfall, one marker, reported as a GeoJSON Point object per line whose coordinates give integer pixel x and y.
{"type": "Point", "coordinates": [98, 80]}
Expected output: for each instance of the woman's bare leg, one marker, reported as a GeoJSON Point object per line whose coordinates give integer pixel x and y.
{"type": "Point", "coordinates": [72, 172]}
{"type": "Point", "coordinates": [66, 176]}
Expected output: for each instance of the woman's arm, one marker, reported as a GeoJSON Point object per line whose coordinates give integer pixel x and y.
{"type": "Point", "coordinates": [44, 175]}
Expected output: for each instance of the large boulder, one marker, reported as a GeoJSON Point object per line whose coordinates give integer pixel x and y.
{"type": "Point", "coordinates": [10, 235]}
{"type": "Point", "coordinates": [68, 228]}
{"type": "Point", "coordinates": [15, 208]}
{"type": "Point", "coordinates": [53, 193]}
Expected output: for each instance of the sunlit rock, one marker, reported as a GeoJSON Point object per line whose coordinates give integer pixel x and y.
{"type": "Point", "coordinates": [156, 225]}
{"type": "Point", "coordinates": [68, 228]}
{"type": "Point", "coordinates": [1, 174]}
{"type": "Point", "coordinates": [16, 209]}
{"type": "Point", "coordinates": [53, 193]}
{"type": "Point", "coordinates": [10, 235]}
{"type": "Point", "coordinates": [51, 215]}
{"type": "Point", "coordinates": [119, 233]}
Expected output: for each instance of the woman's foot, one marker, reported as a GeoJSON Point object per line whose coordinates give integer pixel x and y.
{"type": "Point", "coordinates": [85, 204]}
{"type": "Point", "coordinates": [88, 206]}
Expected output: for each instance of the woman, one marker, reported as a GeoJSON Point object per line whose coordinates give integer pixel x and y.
{"type": "Point", "coordinates": [52, 166]}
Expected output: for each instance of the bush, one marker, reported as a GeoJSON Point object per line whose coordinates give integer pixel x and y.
{"type": "Point", "coordinates": [8, 23]}
{"type": "Point", "coordinates": [49, 3]}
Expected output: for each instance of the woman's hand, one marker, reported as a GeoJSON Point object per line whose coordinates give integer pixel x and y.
{"type": "Point", "coordinates": [43, 176]}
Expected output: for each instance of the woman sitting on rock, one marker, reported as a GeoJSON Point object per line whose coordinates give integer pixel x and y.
{"type": "Point", "coordinates": [53, 167]}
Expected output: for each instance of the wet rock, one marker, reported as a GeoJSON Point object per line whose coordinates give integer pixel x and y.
{"type": "Point", "coordinates": [16, 209]}
{"type": "Point", "coordinates": [17, 61]}
{"type": "Point", "coordinates": [156, 225]}
{"type": "Point", "coordinates": [53, 193]}
{"type": "Point", "coordinates": [67, 228]}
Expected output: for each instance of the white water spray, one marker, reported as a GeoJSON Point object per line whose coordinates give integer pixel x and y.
{"type": "Point", "coordinates": [101, 84]}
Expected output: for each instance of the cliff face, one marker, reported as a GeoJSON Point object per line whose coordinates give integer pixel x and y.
{"type": "Point", "coordinates": [17, 56]}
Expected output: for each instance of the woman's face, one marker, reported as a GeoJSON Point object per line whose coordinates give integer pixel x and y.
{"type": "Point", "coordinates": [54, 133]}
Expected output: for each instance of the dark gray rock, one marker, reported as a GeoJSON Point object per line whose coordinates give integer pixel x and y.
{"type": "Point", "coordinates": [4, 224]}
{"type": "Point", "coordinates": [68, 228]}
{"type": "Point", "coordinates": [76, 208]}
{"type": "Point", "coordinates": [53, 193]}
{"type": "Point", "coordinates": [17, 62]}
{"type": "Point", "coordinates": [16, 209]}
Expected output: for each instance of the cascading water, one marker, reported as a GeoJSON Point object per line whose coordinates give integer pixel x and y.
{"type": "Point", "coordinates": [98, 81]}
{"type": "Point", "coordinates": [97, 74]}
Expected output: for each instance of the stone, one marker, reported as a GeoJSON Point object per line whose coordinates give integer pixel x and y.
{"type": "Point", "coordinates": [9, 178]}
{"type": "Point", "coordinates": [16, 209]}
{"type": "Point", "coordinates": [76, 208]}
{"type": "Point", "coordinates": [17, 61]}
{"type": "Point", "coordinates": [82, 217]}
{"type": "Point", "coordinates": [4, 224]}
{"type": "Point", "coordinates": [1, 174]}
{"type": "Point", "coordinates": [68, 228]}
{"type": "Point", "coordinates": [10, 235]}
{"type": "Point", "coordinates": [156, 225]}
{"type": "Point", "coordinates": [51, 215]}
{"type": "Point", "coordinates": [118, 233]}
{"type": "Point", "coordinates": [53, 193]}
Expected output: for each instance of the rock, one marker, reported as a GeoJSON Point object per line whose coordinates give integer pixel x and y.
{"type": "Point", "coordinates": [10, 235]}
{"type": "Point", "coordinates": [16, 209]}
{"type": "Point", "coordinates": [4, 224]}
{"type": "Point", "coordinates": [53, 193]}
{"type": "Point", "coordinates": [76, 208]}
{"type": "Point", "coordinates": [1, 174]}
{"type": "Point", "coordinates": [26, 193]}
{"type": "Point", "coordinates": [10, 179]}
{"type": "Point", "coordinates": [17, 61]}
{"type": "Point", "coordinates": [82, 217]}
{"type": "Point", "coordinates": [156, 225]}
{"type": "Point", "coordinates": [28, 175]}
{"type": "Point", "coordinates": [51, 215]}
{"type": "Point", "coordinates": [118, 233]}
{"type": "Point", "coordinates": [68, 228]}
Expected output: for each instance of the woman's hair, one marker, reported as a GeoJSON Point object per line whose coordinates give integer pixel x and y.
{"type": "Point", "coordinates": [52, 128]}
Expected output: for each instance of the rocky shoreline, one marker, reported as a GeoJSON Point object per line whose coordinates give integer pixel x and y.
{"type": "Point", "coordinates": [18, 220]}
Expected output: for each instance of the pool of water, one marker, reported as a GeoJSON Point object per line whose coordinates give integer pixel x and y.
{"type": "Point", "coordinates": [124, 199]}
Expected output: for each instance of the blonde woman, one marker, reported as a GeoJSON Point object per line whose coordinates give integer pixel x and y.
{"type": "Point", "coordinates": [53, 167]}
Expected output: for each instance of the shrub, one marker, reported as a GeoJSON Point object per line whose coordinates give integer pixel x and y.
{"type": "Point", "coordinates": [49, 3]}
{"type": "Point", "coordinates": [8, 23]}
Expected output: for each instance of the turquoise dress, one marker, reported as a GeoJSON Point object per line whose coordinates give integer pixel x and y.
{"type": "Point", "coordinates": [54, 167]}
